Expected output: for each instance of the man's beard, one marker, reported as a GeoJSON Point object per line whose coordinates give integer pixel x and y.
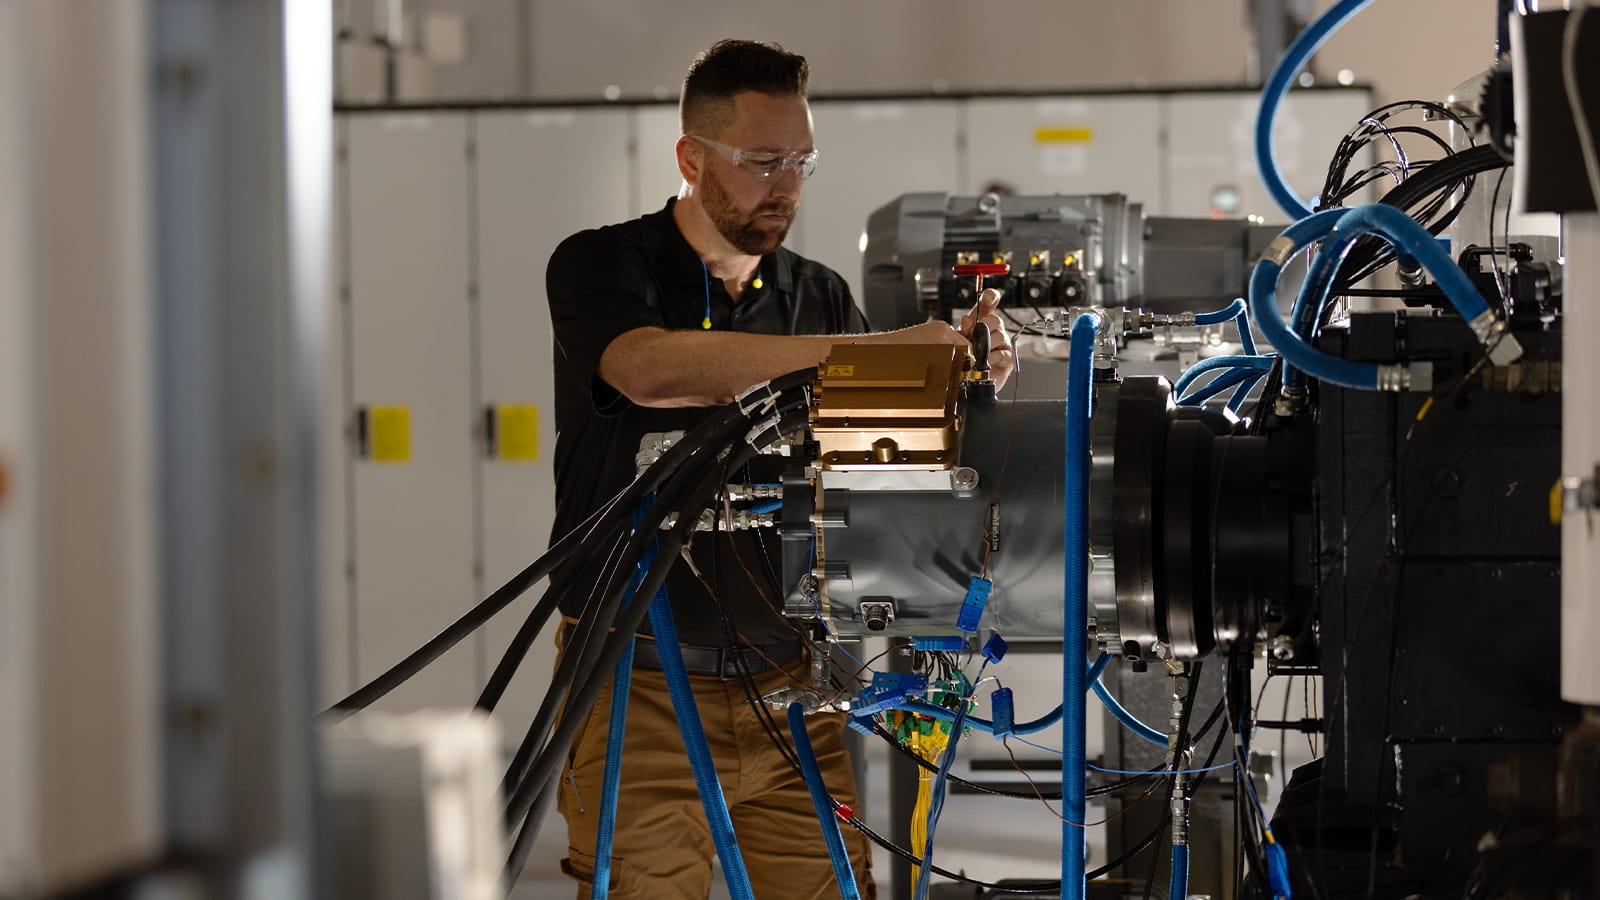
{"type": "Point", "coordinates": [743, 231]}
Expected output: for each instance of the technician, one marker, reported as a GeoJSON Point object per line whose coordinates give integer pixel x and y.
{"type": "Point", "coordinates": [655, 320]}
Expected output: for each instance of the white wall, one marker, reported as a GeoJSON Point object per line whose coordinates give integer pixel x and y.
{"type": "Point", "coordinates": [576, 48]}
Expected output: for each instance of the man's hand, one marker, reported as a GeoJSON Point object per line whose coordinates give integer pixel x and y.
{"type": "Point", "coordinates": [1002, 358]}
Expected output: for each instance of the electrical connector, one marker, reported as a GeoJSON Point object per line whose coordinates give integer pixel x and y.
{"type": "Point", "coordinates": [940, 644]}
{"type": "Point", "coordinates": [863, 725]}
{"type": "Point", "coordinates": [887, 691]}
{"type": "Point", "coordinates": [1278, 870]}
{"type": "Point", "coordinates": [994, 649]}
{"type": "Point", "coordinates": [1004, 713]}
{"type": "Point", "coordinates": [972, 607]}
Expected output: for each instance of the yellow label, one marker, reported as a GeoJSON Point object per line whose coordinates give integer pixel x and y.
{"type": "Point", "coordinates": [517, 433]}
{"type": "Point", "coordinates": [1076, 134]}
{"type": "Point", "coordinates": [391, 433]}
{"type": "Point", "coordinates": [840, 371]}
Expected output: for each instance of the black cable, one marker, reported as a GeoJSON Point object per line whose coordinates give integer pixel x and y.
{"type": "Point", "coordinates": [545, 770]}
{"type": "Point", "coordinates": [546, 563]}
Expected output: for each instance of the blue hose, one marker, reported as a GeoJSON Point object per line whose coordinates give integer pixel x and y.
{"type": "Point", "coordinates": [1400, 230]}
{"type": "Point", "coordinates": [1294, 59]}
{"type": "Point", "coordinates": [611, 780]}
{"type": "Point", "coordinates": [1218, 316]}
{"type": "Point", "coordinates": [1127, 718]}
{"type": "Point", "coordinates": [1224, 382]}
{"type": "Point", "coordinates": [843, 875]}
{"type": "Point", "coordinates": [1180, 872]}
{"type": "Point", "coordinates": [611, 783]}
{"type": "Point", "coordinates": [694, 741]}
{"type": "Point", "coordinates": [1256, 363]}
{"type": "Point", "coordinates": [1242, 393]}
{"type": "Point", "coordinates": [1075, 551]}
{"type": "Point", "coordinates": [1264, 308]}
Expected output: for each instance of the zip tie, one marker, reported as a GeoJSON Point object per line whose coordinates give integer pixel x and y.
{"type": "Point", "coordinates": [762, 393]}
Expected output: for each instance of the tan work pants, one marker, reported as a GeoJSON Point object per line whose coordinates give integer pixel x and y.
{"type": "Point", "coordinates": [663, 847]}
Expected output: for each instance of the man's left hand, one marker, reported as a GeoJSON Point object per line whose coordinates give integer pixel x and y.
{"type": "Point", "coordinates": [1002, 358]}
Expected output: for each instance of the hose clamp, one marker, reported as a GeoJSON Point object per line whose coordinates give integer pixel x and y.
{"type": "Point", "coordinates": [1280, 250]}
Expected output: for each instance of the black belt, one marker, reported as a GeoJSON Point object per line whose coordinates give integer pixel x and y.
{"type": "Point", "coordinates": [723, 662]}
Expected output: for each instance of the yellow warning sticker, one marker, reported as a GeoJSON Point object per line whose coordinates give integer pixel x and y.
{"type": "Point", "coordinates": [517, 433]}
{"type": "Point", "coordinates": [840, 371]}
{"type": "Point", "coordinates": [391, 434]}
{"type": "Point", "coordinates": [1063, 134]}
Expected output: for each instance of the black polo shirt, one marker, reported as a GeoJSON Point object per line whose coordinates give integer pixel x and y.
{"type": "Point", "coordinates": [607, 281]}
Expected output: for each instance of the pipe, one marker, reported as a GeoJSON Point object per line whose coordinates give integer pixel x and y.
{"type": "Point", "coordinates": [694, 741]}
{"type": "Point", "coordinates": [1180, 872]}
{"type": "Point", "coordinates": [1075, 500]}
{"type": "Point", "coordinates": [1580, 458]}
{"type": "Point", "coordinates": [1193, 373]}
{"type": "Point", "coordinates": [1272, 95]}
{"type": "Point", "coordinates": [843, 875]}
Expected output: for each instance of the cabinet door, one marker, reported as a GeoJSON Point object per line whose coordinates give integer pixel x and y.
{"type": "Point", "coordinates": [871, 153]}
{"type": "Point", "coordinates": [411, 389]}
{"type": "Point", "coordinates": [540, 177]}
{"type": "Point", "coordinates": [1066, 145]}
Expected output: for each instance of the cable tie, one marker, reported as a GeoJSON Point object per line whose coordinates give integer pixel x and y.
{"type": "Point", "coordinates": [753, 397]}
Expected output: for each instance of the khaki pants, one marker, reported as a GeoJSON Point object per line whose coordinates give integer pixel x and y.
{"type": "Point", "coordinates": [663, 847]}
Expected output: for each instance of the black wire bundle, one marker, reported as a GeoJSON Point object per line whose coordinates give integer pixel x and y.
{"type": "Point", "coordinates": [683, 483]}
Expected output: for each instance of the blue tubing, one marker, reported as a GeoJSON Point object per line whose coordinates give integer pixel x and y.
{"type": "Point", "coordinates": [1075, 551]}
{"type": "Point", "coordinates": [1180, 872]}
{"type": "Point", "coordinates": [611, 783]}
{"type": "Point", "coordinates": [1211, 364]}
{"type": "Point", "coordinates": [767, 507]}
{"type": "Point", "coordinates": [1218, 385]}
{"type": "Point", "coordinates": [1283, 75]}
{"type": "Point", "coordinates": [694, 741]}
{"type": "Point", "coordinates": [1217, 317]}
{"type": "Point", "coordinates": [1127, 718]}
{"type": "Point", "coordinates": [843, 875]}
{"type": "Point", "coordinates": [1242, 392]}
{"type": "Point", "coordinates": [611, 780]}
{"type": "Point", "coordinates": [1407, 236]}
{"type": "Point", "coordinates": [1247, 337]}
{"type": "Point", "coordinates": [1264, 309]}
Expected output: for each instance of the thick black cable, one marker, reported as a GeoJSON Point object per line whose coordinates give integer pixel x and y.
{"type": "Point", "coordinates": [546, 768]}
{"type": "Point", "coordinates": [570, 543]}
{"type": "Point", "coordinates": [578, 663]}
{"type": "Point", "coordinates": [533, 793]}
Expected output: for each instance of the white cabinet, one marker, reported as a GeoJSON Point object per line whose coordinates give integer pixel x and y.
{"type": "Point", "coordinates": [871, 152]}
{"type": "Point", "coordinates": [1212, 148]}
{"type": "Point", "coordinates": [409, 349]}
{"type": "Point", "coordinates": [1066, 145]}
{"type": "Point", "coordinates": [539, 177]}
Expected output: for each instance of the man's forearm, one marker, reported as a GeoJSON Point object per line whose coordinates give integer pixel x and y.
{"type": "Point", "coordinates": [655, 367]}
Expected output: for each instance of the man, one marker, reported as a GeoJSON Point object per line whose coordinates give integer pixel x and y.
{"type": "Point", "coordinates": [655, 320]}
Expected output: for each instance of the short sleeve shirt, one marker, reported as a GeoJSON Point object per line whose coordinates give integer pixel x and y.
{"type": "Point", "coordinates": [607, 281]}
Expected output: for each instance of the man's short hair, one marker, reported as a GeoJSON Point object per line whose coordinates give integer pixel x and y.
{"type": "Point", "coordinates": [728, 67]}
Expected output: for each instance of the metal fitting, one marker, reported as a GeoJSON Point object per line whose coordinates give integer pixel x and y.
{"type": "Point", "coordinates": [877, 614]}
{"type": "Point", "coordinates": [1392, 377]}
{"type": "Point", "coordinates": [1279, 251]}
{"type": "Point", "coordinates": [1503, 349]}
{"type": "Point", "coordinates": [963, 478]}
{"type": "Point", "coordinates": [1281, 647]}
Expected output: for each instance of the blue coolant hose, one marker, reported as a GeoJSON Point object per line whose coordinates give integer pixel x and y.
{"type": "Point", "coordinates": [1283, 76]}
{"type": "Point", "coordinates": [694, 741]}
{"type": "Point", "coordinates": [1180, 872]}
{"type": "Point", "coordinates": [843, 875]}
{"type": "Point", "coordinates": [1079, 411]}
